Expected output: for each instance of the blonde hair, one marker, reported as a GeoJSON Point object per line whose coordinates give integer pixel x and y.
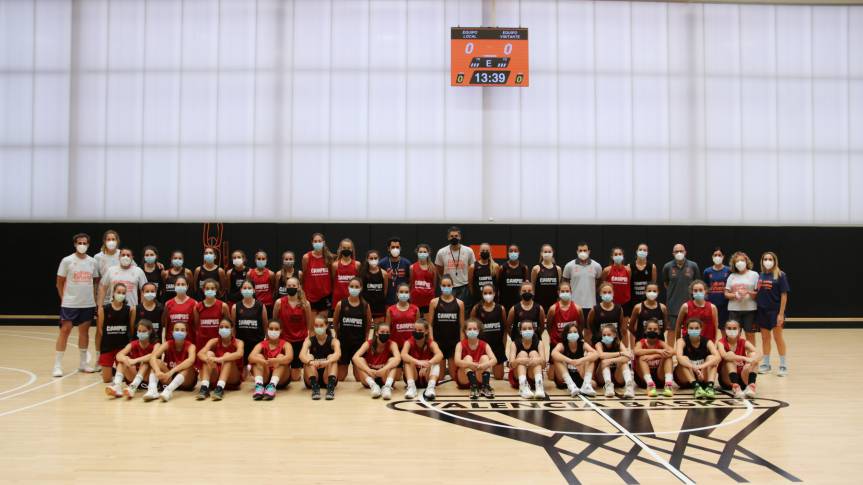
{"type": "Point", "coordinates": [301, 295]}
{"type": "Point", "coordinates": [492, 264]}
{"type": "Point", "coordinates": [549, 246]}
{"type": "Point", "coordinates": [776, 271]}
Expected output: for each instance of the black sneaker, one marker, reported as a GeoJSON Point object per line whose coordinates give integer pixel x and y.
{"type": "Point", "coordinates": [331, 394]}
{"type": "Point", "coordinates": [474, 392]}
{"type": "Point", "coordinates": [204, 393]}
{"type": "Point", "coordinates": [487, 392]}
{"type": "Point", "coordinates": [316, 393]}
{"type": "Point", "coordinates": [218, 394]}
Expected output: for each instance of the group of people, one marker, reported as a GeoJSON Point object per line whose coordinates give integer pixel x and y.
{"type": "Point", "coordinates": [388, 319]}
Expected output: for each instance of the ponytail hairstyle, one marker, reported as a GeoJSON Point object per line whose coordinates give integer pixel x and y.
{"type": "Point", "coordinates": [492, 264]}
{"type": "Point", "coordinates": [353, 249]}
{"type": "Point", "coordinates": [301, 295]}
{"type": "Point", "coordinates": [364, 266]}
{"type": "Point", "coordinates": [541, 248]}
{"type": "Point", "coordinates": [776, 271]}
{"type": "Point", "coordinates": [105, 237]}
{"type": "Point", "coordinates": [329, 257]}
{"type": "Point", "coordinates": [149, 326]}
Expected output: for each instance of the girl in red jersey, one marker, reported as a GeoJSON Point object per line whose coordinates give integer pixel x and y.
{"type": "Point", "coordinates": [402, 315]}
{"type": "Point", "coordinates": [422, 357]}
{"type": "Point", "coordinates": [264, 280]}
{"type": "Point", "coordinates": [652, 356]}
{"type": "Point", "coordinates": [133, 362]}
{"type": "Point", "coordinates": [697, 360]}
{"type": "Point", "coordinates": [222, 361]}
{"type": "Point", "coordinates": [170, 275]}
{"type": "Point", "coordinates": [320, 356]}
{"type": "Point", "coordinates": [620, 276]}
{"type": "Point", "coordinates": [352, 318]}
{"type": "Point", "coordinates": [208, 313]}
{"type": "Point", "coordinates": [172, 364]}
{"type": "Point", "coordinates": [739, 361]}
{"type": "Point", "coordinates": [179, 309]}
{"type": "Point", "coordinates": [573, 359]}
{"type": "Point", "coordinates": [560, 315]}
{"type": "Point", "coordinates": [649, 309]}
{"type": "Point", "coordinates": [473, 355]}
{"type": "Point", "coordinates": [317, 280]}
{"type": "Point", "coordinates": [423, 280]}
{"type": "Point", "coordinates": [114, 325]}
{"type": "Point", "coordinates": [236, 276]}
{"type": "Point", "coordinates": [376, 284]}
{"type": "Point", "coordinates": [613, 363]}
{"type": "Point", "coordinates": [295, 313]}
{"type": "Point", "coordinates": [271, 360]}
{"type": "Point", "coordinates": [528, 359]}
{"type": "Point", "coordinates": [378, 360]}
{"type": "Point", "coordinates": [447, 314]}
{"type": "Point", "coordinates": [209, 270]}
{"type": "Point", "coordinates": [698, 307]}
{"type": "Point", "coordinates": [545, 277]}
{"type": "Point", "coordinates": [289, 269]}
{"type": "Point", "coordinates": [344, 269]}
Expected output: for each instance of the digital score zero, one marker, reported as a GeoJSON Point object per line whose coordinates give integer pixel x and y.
{"type": "Point", "coordinates": [485, 56]}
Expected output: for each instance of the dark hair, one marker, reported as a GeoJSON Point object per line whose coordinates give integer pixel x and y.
{"type": "Point", "coordinates": [695, 320]}
{"type": "Point", "coordinates": [149, 326]}
{"type": "Point", "coordinates": [453, 229]}
{"type": "Point", "coordinates": [364, 265]}
{"type": "Point", "coordinates": [394, 239]}
{"type": "Point", "coordinates": [570, 326]}
{"type": "Point", "coordinates": [80, 235]}
{"type": "Point", "coordinates": [150, 247]}
{"type": "Point", "coordinates": [421, 246]}
{"type": "Point", "coordinates": [717, 248]}
{"type": "Point", "coordinates": [582, 243]}
{"type": "Point", "coordinates": [149, 283]}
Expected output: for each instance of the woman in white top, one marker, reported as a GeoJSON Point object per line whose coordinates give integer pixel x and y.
{"type": "Point", "coordinates": [108, 256]}
{"type": "Point", "coordinates": [741, 289]}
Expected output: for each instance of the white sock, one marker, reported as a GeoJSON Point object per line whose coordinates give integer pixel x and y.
{"type": "Point", "coordinates": [431, 384]}
{"type": "Point", "coordinates": [273, 380]}
{"type": "Point", "coordinates": [118, 378]}
{"type": "Point", "coordinates": [371, 382]}
{"type": "Point", "coordinates": [177, 382]}
{"type": "Point", "coordinates": [96, 360]}
{"type": "Point", "coordinates": [568, 380]}
{"type": "Point", "coordinates": [522, 380]}
{"type": "Point", "coordinates": [137, 380]}
{"type": "Point", "coordinates": [82, 356]}
{"type": "Point", "coordinates": [588, 376]}
{"type": "Point", "coordinates": [411, 383]}
{"type": "Point", "coordinates": [649, 379]}
{"type": "Point", "coordinates": [627, 375]}
{"type": "Point", "coordinates": [669, 377]}
{"type": "Point", "coordinates": [260, 379]}
{"type": "Point", "coordinates": [389, 382]}
{"type": "Point", "coordinates": [538, 379]}
{"type": "Point", "coordinates": [58, 359]}
{"type": "Point", "coordinates": [205, 383]}
{"type": "Point", "coordinates": [220, 384]}
{"type": "Point", "coordinates": [153, 382]}
{"type": "Point", "coordinates": [435, 371]}
{"type": "Point", "coordinates": [606, 375]}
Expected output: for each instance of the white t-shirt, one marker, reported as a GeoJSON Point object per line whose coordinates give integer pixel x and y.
{"type": "Point", "coordinates": [583, 278]}
{"type": "Point", "coordinates": [133, 277]}
{"type": "Point", "coordinates": [79, 273]}
{"type": "Point", "coordinates": [105, 261]}
{"type": "Point", "coordinates": [455, 263]}
{"type": "Point", "coordinates": [737, 282]}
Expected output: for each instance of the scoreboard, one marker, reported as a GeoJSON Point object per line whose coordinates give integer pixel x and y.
{"type": "Point", "coordinates": [486, 56]}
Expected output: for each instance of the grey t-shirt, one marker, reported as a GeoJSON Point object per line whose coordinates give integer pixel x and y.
{"type": "Point", "coordinates": [583, 278]}
{"type": "Point", "coordinates": [132, 277]}
{"type": "Point", "coordinates": [79, 274]}
{"type": "Point", "coordinates": [455, 263]}
{"type": "Point", "coordinates": [678, 279]}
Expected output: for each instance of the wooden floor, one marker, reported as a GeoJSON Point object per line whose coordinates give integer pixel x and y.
{"type": "Point", "coordinates": [804, 427]}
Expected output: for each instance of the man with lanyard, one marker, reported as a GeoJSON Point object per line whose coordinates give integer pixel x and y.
{"type": "Point", "coordinates": [397, 267]}
{"type": "Point", "coordinates": [584, 275]}
{"type": "Point", "coordinates": [456, 261]}
{"type": "Point", "coordinates": [677, 275]}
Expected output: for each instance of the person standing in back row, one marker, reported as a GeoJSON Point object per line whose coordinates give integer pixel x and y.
{"type": "Point", "coordinates": [457, 261]}
{"type": "Point", "coordinates": [677, 275]}
{"type": "Point", "coordinates": [510, 277]}
{"type": "Point", "coordinates": [317, 280]}
{"type": "Point", "coordinates": [584, 276]}
{"type": "Point", "coordinates": [397, 268]}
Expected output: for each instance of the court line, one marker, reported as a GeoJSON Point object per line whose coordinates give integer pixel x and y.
{"type": "Point", "coordinates": [55, 398]}
{"type": "Point", "coordinates": [662, 461]}
{"type": "Point", "coordinates": [40, 386]}
{"type": "Point", "coordinates": [23, 371]}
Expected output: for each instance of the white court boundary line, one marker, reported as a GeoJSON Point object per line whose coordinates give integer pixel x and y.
{"type": "Point", "coordinates": [40, 386]}
{"type": "Point", "coordinates": [55, 398]}
{"type": "Point", "coordinates": [23, 371]}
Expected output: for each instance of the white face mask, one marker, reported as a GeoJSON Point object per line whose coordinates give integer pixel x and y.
{"type": "Point", "coordinates": [125, 261]}
{"type": "Point", "coordinates": [768, 264]}
{"type": "Point", "coordinates": [395, 252]}
{"type": "Point", "coordinates": [740, 265]}
{"type": "Point", "coordinates": [651, 295]}
{"type": "Point", "coordinates": [680, 256]}
{"type": "Point", "coordinates": [547, 256]}
{"type": "Point", "coordinates": [82, 248]}
{"type": "Point", "coordinates": [238, 261]}
{"type": "Point", "coordinates": [274, 334]}
{"type": "Point", "coordinates": [488, 297]}
{"type": "Point", "coordinates": [717, 260]}
{"type": "Point", "coordinates": [373, 263]}
{"type": "Point", "coordinates": [732, 333]}
{"type": "Point", "coordinates": [111, 245]}
{"type": "Point", "coordinates": [583, 255]}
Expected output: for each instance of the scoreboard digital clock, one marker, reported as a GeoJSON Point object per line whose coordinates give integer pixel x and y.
{"type": "Point", "coordinates": [486, 56]}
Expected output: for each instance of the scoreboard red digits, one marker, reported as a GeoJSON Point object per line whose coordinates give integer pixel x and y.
{"type": "Point", "coordinates": [485, 56]}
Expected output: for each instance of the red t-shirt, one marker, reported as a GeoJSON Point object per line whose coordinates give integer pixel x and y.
{"type": "Point", "coordinates": [562, 318]}
{"type": "Point", "coordinates": [739, 349]}
{"type": "Point", "coordinates": [344, 274]}
{"type": "Point", "coordinates": [180, 313]}
{"type": "Point", "coordinates": [263, 289]}
{"type": "Point", "coordinates": [619, 279]}
{"type": "Point", "coordinates": [379, 359]}
{"type": "Point", "coordinates": [705, 314]}
{"type": "Point", "coordinates": [402, 323]}
{"type": "Point", "coordinates": [316, 280]}
{"type": "Point", "coordinates": [221, 350]}
{"type": "Point", "coordinates": [422, 290]}
{"type": "Point", "coordinates": [272, 353]}
{"type": "Point", "coordinates": [136, 351]}
{"type": "Point", "coordinates": [474, 354]}
{"type": "Point", "coordinates": [208, 322]}
{"type": "Point", "coordinates": [295, 328]}
{"type": "Point", "coordinates": [421, 353]}
{"type": "Point", "coordinates": [174, 357]}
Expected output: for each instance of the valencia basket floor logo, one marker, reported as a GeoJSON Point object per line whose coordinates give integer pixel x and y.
{"type": "Point", "coordinates": [621, 435]}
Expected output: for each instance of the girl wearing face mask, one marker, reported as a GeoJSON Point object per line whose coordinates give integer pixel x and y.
{"type": "Point", "coordinates": [473, 355]}
{"type": "Point", "coordinates": [402, 315]}
{"type": "Point", "coordinates": [697, 359]}
{"type": "Point", "coordinates": [153, 268]}
{"type": "Point", "coordinates": [649, 309]}
{"type": "Point", "coordinates": [208, 313]}
{"type": "Point", "coordinates": [126, 273]}
{"type": "Point", "coordinates": [607, 312]}
{"type": "Point", "coordinates": [295, 313]}
{"type": "Point", "coordinates": [423, 279]}
{"type": "Point", "coordinates": [545, 277]}
{"type": "Point", "coordinates": [716, 276]}
{"type": "Point", "coordinates": [620, 278]}
{"type": "Point", "coordinates": [377, 360]}
{"type": "Point", "coordinates": [573, 360]}
{"type": "Point", "coordinates": [563, 313]}
{"type": "Point", "coordinates": [150, 310]}
{"type": "Point", "coordinates": [317, 277]}
{"type": "Point", "coordinates": [613, 363]}
{"type": "Point", "coordinates": [642, 273]}
{"type": "Point", "coordinates": [320, 356]}
{"type": "Point", "coordinates": [344, 270]}
{"type": "Point", "coordinates": [485, 272]}
{"type": "Point", "coordinates": [133, 362]}
{"type": "Point", "coordinates": [375, 285]}
{"type": "Point", "coordinates": [741, 288]}
{"type": "Point", "coordinates": [209, 271]}
{"type": "Point", "coordinates": [528, 359]}
{"type": "Point", "coordinates": [447, 321]}
{"type": "Point", "coordinates": [289, 269]}
{"type": "Point", "coordinates": [524, 310]}
{"type": "Point", "coordinates": [115, 322]}
{"type": "Point", "coordinates": [352, 318]}
{"type": "Point", "coordinates": [251, 318]}
{"type": "Point", "coordinates": [108, 255]}
{"type": "Point", "coordinates": [170, 275]}
{"type": "Point", "coordinates": [264, 281]}
{"type": "Point", "coordinates": [772, 299]}
{"type": "Point", "coordinates": [492, 318]}
{"type": "Point", "coordinates": [172, 364]}
{"type": "Point", "coordinates": [271, 360]}
{"type": "Point", "coordinates": [698, 307]}
{"type": "Point", "coordinates": [422, 358]}
{"type": "Point", "coordinates": [652, 356]}
{"type": "Point", "coordinates": [739, 359]}
{"type": "Point", "coordinates": [510, 278]}
{"type": "Point", "coordinates": [236, 276]}
{"type": "Point", "coordinates": [222, 361]}
{"type": "Point", "coordinates": [179, 309]}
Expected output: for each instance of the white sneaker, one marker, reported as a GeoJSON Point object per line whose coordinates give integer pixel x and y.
{"type": "Point", "coordinates": [151, 395]}
{"type": "Point", "coordinates": [540, 393]}
{"type": "Point", "coordinates": [429, 393]}
{"type": "Point", "coordinates": [411, 392]}
{"type": "Point", "coordinates": [587, 389]}
{"type": "Point", "coordinates": [166, 395]}
{"type": "Point", "coordinates": [609, 389]}
{"type": "Point", "coordinates": [57, 372]}
{"type": "Point", "coordinates": [764, 369]}
{"type": "Point", "coordinates": [738, 392]}
{"type": "Point", "coordinates": [629, 390]}
{"type": "Point", "coordinates": [113, 390]}
{"type": "Point", "coordinates": [376, 391]}
{"type": "Point", "coordinates": [129, 392]}
{"type": "Point", "coordinates": [783, 371]}
{"type": "Point", "coordinates": [525, 392]}
{"type": "Point", "coordinates": [387, 393]}
{"type": "Point", "coordinates": [750, 391]}
{"type": "Point", "coordinates": [84, 367]}
{"type": "Point", "coordinates": [573, 391]}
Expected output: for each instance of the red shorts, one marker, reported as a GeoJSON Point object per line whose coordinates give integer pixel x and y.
{"type": "Point", "coordinates": [106, 359]}
{"type": "Point", "coordinates": [513, 380]}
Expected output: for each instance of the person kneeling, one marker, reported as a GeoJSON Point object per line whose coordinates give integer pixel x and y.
{"type": "Point", "coordinates": [320, 357]}
{"type": "Point", "coordinates": [422, 358]}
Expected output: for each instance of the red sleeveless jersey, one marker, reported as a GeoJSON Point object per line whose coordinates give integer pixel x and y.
{"type": "Point", "coordinates": [402, 323]}
{"type": "Point", "coordinates": [739, 349]}
{"type": "Point", "coordinates": [221, 350]}
{"type": "Point", "coordinates": [474, 354]}
{"type": "Point", "coordinates": [180, 313]}
{"type": "Point", "coordinates": [174, 357]}
{"type": "Point", "coordinates": [136, 352]}
{"type": "Point", "coordinates": [379, 359]}
{"type": "Point", "coordinates": [344, 274]}
{"type": "Point", "coordinates": [422, 290]}
{"type": "Point", "coordinates": [619, 279]}
{"type": "Point", "coordinates": [705, 314]}
{"type": "Point", "coordinates": [208, 322]}
{"type": "Point", "coordinates": [645, 344]}
{"type": "Point", "coordinates": [316, 280]}
{"type": "Point", "coordinates": [295, 328]}
{"type": "Point", "coordinates": [272, 353]}
{"type": "Point", "coordinates": [421, 353]}
{"type": "Point", "coordinates": [562, 318]}
{"type": "Point", "coordinates": [263, 289]}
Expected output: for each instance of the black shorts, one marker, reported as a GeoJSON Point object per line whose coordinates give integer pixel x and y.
{"type": "Point", "coordinates": [499, 353]}
{"type": "Point", "coordinates": [627, 308]}
{"type": "Point", "coordinates": [348, 351]}
{"type": "Point", "coordinates": [322, 379]}
{"type": "Point", "coordinates": [320, 305]}
{"type": "Point", "coordinates": [248, 346]}
{"type": "Point", "coordinates": [296, 363]}
{"type": "Point", "coordinates": [77, 315]}
{"type": "Point", "coordinates": [746, 319]}
{"type": "Point", "coordinates": [447, 348]}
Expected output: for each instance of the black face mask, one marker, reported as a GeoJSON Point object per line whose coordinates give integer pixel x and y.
{"type": "Point", "coordinates": [383, 337]}
{"type": "Point", "coordinates": [484, 254]}
{"type": "Point", "coordinates": [346, 252]}
{"type": "Point", "coordinates": [291, 291]}
{"type": "Point", "coordinates": [651, 335]}
{"type": "Point", "coordinates": [454, 240]}
{"type": "Point", "coordinates": [527, 296]}
{"type": "Point", "coordinates": [419, 335]}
